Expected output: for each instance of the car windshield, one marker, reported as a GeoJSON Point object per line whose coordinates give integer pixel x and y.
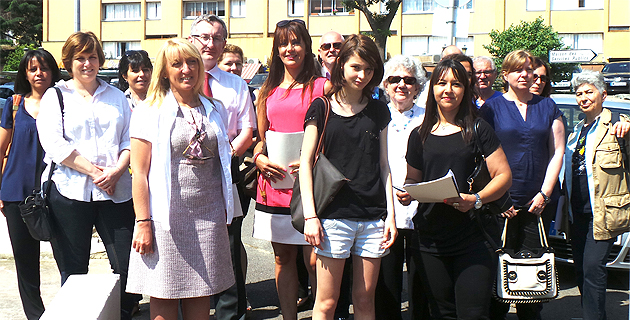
{"type": "Point", "coordinates": [617, 67]}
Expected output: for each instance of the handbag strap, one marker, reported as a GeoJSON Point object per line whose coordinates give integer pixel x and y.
{"type": "Point", "coordinates": [320, 143]}
{"type": "Point", "coordinates": [52, 163]}
{"type": "Point", "coordinates": [541, 232]}
{"type": "Point", "coordinates": [479, 155]}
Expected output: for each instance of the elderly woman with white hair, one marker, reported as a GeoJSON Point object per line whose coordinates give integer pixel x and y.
{"type": "Point", "coordinates": [596, 180]}
{"type": "Point", "coordinates": [403, 80]}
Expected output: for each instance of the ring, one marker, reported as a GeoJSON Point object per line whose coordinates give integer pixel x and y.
{"type": "Point", "coordinates": [455, 205]}
{"type": "Point", "coordinates": [268, 174]}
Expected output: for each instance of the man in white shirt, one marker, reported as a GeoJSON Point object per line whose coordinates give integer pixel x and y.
{"type": "Point", "coordinates": [208, 34]}
{"type": "Point", "coordinates": [329, 46]}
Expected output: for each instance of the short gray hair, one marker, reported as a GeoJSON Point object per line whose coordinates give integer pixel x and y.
{"type": "Point", "coordinates": [594, 78]}
{"type": "Point", "coordinates": [211, 19]}
{"type": "Point", "coordinates": [407, 63]}
{"type": "Point", "coordinates": [487, 59]}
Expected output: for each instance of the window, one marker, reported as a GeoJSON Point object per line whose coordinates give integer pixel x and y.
{"type": "Point", "coordinates": [238, 8]}
{"type": "Point", "coordinates": [115, 49]}
{"type": "Point", "coordinates": [296, 8]}
{"type": "Point", "coordinates": [195, 9]}
{"type": "Point", "coordinates": [415, 6]}
{"type": "Point", "coordinates": [154, 10]}
{"type": "Point", "coordinates": [576, 4]}
{"type": "Point", "coordinates": [593, 41]}
{"type": "Point", "coordinates": [424, 45]}
{"type": "Point", "coordinates": [327, 7]}
{"type": "Point", "coordinates": [536, 5]}
{"type": "Point", "coordinates": [121, 11]}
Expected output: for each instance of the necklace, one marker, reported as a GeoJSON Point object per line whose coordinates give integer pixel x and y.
{"type": "Point", "coordinates": [404, 127]}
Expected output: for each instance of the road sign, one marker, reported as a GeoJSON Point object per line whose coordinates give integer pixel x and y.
{"type": "Point", "coordinates": [569, 56]}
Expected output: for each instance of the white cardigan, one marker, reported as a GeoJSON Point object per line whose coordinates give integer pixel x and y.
{"type": "Point", "coordinates": [153, 124]}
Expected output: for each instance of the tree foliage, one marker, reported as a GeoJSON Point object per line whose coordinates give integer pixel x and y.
{"type": "Point", "coordinates": [21, 20]}
{"type": "Point", "coordinates": [380, 22]}
{"type": "Point", "coordinates": [535, 37]}
{"type": "Point", "coordinates": [12, 60]}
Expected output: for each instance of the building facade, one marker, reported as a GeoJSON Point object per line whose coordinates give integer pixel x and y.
{"type": "Point", "coordinates": [420, 28]}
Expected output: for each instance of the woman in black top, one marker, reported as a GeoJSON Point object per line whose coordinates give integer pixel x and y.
{"type": "Point", "coordinates": [360, 219]}
{"type": "Point", "coordinates": [458, 267]}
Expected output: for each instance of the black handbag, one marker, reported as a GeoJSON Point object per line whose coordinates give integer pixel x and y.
{"type": "Point", "coordinates": [327, 181]}
{"type": "Point", "coordinates": [35, 210]}
{"type": "Point", "coordinates": [480, 177]}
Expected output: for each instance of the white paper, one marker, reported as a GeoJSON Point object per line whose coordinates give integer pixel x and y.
{"type": "Point", "coordinates": [435, 190]}
{"type": "Point", "coordinates": [284, 149]}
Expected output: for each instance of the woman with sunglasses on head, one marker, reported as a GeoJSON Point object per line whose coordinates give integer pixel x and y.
{"type": "Point", "coordinates": [182, 189]}
{"type": "Point", "coordinates": [89, 143]}
{"type": "Point", "coordinates": [292, 84]}
{"type": "Point", "coordinates": [37, 72]}
{"type": "Point", "coordinates": [532, 133]}
{"type": "Point", "coordinates": [360, 219]}
{"type": "Point", "coordinates": [134, 75]}
{"type": "Point", "coordinates": [404, 79]}
{"type": "Point", "coordinates": [457, 267]}
{"type": "Point", "coordinates": [542, 82]}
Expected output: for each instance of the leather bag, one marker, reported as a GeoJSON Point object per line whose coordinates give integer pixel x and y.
{"type": "Point", "coordinates": [527, 276]}
{"type": "Point", "coordinates": [327, 181]}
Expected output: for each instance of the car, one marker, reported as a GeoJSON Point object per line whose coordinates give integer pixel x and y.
{"type": "Point", "coordinates": [618, 258]}
{"type": "Point", "coordinates": [258, 80]}
{"type": "Point", "coordinates": [565, 84]}
{"type": "Point", "coordinates": [617, 77]}
{"type": "Point", "coordinates": [6, 90]}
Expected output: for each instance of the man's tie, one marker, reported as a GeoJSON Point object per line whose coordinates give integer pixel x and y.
{"type": "Point", "coordinates": [206, 88]}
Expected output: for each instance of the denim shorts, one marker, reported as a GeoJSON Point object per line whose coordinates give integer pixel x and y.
{"type": "Point", "coordinates": [343, 237]}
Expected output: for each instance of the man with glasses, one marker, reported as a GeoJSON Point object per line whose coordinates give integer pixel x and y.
{"type": "Point", "coordinates": [208, 34]}
{"type": "Point", "coordinates": [329, 46]}
{"type": "Point", "coordinates": [486, 73]}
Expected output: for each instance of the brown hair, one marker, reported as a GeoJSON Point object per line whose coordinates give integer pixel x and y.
{"type": "Point", "coordinates": [230, 48]}
{"type": "Point", "coordinates": [538, 62]}
{"type": "Point", "coordinates": [80, 42]}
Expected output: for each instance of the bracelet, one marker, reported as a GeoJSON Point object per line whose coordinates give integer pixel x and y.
{"type": "Point", "coordinates": [547, 199]}
{"type": "Point", "coordinates": [315, 217]}
{"type": "Point", "coordinates": [256, 157]}
{"type": "Point", "coordinates": [144, 220]}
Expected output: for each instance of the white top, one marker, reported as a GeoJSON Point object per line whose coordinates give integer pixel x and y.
{"type": "Point", "coordinates": [153, 124]}
{"type": "Point", "coordinates": [234, 94]}
{"type": "Point", "coordinates": [98, 130]}
{"type": "Point", "coordinates": [398, 131]}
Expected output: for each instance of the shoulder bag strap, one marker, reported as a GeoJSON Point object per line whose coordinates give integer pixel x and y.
{"type": "Point", "coordinates": [16, 104]}
{"type": "Point", "coordinates": [52, 163]}
{"type": "Point", "coordinates": [479, 155]}
{"type": "Point", "coordinates": [320, 144]}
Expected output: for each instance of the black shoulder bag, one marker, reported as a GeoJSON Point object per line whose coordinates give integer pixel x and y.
{"type": "Point", "coordinates": [35, 210]}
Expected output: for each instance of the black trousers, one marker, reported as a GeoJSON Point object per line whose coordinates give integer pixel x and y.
{"type": "Point", "coordinates": [231, 304]}
{"type": "Point", "coordinates": [26, 256]}
{"type": "Point", "coordinates": [390, 280]}
{"type": "Point", "coordinates": [74, 220]}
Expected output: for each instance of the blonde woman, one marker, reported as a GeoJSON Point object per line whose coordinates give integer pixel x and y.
{"type": "Point", "coordinates": [182, 189]}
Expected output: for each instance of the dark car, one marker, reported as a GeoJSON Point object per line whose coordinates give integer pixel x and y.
{"type": "Point", "coordinates": [617, 77]}
{"type": "Point", "coordinates": [6, 90]}
{"type": "Point", "coordinates": [258, 80]}
{"type": "Point", "coordinates": [618, 258]}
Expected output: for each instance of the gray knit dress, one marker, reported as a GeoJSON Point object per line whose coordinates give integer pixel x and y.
{"type": "Point", "coordinates": [192, 259]}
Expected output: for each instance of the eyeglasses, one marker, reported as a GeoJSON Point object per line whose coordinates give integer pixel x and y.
{"type": "Point", "coordinates": [485, 72]}
{"type": "Point", "coordinates": [283, 23]}
{"type": "Point", "coordinates": [326, 46]}
{"type": "Point", "coordinates": [130, 53]}
{"type": "Point", "coordinates": [205, 38]}
{"type": "Point", "coordinates": [542, 77]}
{"type": "Point", "coordinates": [396, 79]}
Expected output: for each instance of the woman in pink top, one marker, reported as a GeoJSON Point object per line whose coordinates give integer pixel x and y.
{"type": "Point", "coordinates": [292, 85]}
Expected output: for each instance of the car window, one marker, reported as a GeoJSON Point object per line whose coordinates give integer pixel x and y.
{"type": "Point", "coordinates": [5, 93]}
{"type": "Point", "coordinates": [617, 67]}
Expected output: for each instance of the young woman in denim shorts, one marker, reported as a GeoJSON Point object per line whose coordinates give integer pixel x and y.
{"type": "Point", "coordinates": [360, 219]}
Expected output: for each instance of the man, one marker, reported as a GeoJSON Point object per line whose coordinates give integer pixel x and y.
{"type": "Point", "coordinates": [231, 60]}
{"type": "Point", "coordinates": [486, 73]}
{"type": "Point", "coordinates": [208, 34]}
{"type": "Point", "coordinates": [329, 46]}
{"type": "Point", "coordinates": [449, 50]}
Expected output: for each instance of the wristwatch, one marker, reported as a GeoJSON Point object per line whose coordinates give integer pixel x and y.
{"type": "Point", "coordinates": [478, 203]}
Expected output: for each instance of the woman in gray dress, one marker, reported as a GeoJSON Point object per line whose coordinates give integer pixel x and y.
{"type": "Point", "coordinates": [182, 189]}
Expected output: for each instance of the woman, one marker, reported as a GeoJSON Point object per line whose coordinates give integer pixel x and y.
{"type": "Point", "coordinates": [457, 267]}
{"type": "Point", "coordinates": [542, 81]}
{"type": "Point", "coordinates": [532, 132]}
{"type": "Point", "coordinates": [37, 72]}
{"type": "Point", "coordinates": [356, 221]}
{"type": "Point", "coordinates": [134, 75]}
{"type": "Point", "coordinates": [292, 84]}
{"type": "Point", "coordinates": [182, 190]}
{"type": "Point", "coordinates": [404, 79]}
{"type": "Point", "coordinates": [592, 181]}
{"type": "Point", "coordinates": [89, 142]}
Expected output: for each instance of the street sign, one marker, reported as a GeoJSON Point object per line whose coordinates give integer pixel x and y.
{"type": "Point", "coordinates": [569, 56]}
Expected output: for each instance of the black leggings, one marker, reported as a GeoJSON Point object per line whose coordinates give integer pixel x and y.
{"type": "Point", "coordinates": [459, 286]}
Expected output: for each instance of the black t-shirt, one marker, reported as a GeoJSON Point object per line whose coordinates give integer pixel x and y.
{"type": "Point", "coordinates": [441, 228]}
{"type": "Point", "coordinates": [580, 198]}
{"type": "Point", "coordinates": [352, 145]}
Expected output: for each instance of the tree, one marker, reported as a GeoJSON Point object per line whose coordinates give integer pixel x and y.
{"type": "Point", "coordinates": [21, 20]}
{"type": "Point", "coordinates": [535, 37]}
{"type": "Point", "coordinates": [379, 22]}
{"type": "Point", "coordinates": [13, 58]}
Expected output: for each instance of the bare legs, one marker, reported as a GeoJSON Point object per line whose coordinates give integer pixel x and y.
{"type": "Point", "coordinates": [329, 273]}
{"type": "Point", "coordinates": [192, 308]}
{"type": "Point", "coordinates": [287, 278]}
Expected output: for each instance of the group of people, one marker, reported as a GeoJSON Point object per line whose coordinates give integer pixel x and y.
{"type": "Point", "coordinates": [172, 138]}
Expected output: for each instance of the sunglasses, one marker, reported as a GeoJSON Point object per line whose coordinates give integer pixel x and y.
{"type": "Point", "coordinates": [326, 46]}
{"type": "Point", "coordinates": [194, 150]}
{"type": "Point", "coordinates": [543, 78]}
{"type": "Point", "coordinates": [396, 79]}
{"type": "Point", "coordinates": [283, 23]}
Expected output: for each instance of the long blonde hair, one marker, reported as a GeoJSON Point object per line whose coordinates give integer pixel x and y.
{"type": "Point", "coordinates": [171, 51]}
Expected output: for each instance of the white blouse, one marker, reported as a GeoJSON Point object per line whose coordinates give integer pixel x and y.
{"type": "Point", "coordinates": [98, 130]}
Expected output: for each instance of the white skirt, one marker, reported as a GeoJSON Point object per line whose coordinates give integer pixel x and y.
{"type": "Point", "coordinates": [276, 228]}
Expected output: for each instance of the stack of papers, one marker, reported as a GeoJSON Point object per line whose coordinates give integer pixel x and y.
{"type": "Point", "coordinates": [435, 190]}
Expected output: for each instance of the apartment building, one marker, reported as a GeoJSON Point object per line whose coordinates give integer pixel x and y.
{"type": "Point", "coordinates": [420, 28]}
